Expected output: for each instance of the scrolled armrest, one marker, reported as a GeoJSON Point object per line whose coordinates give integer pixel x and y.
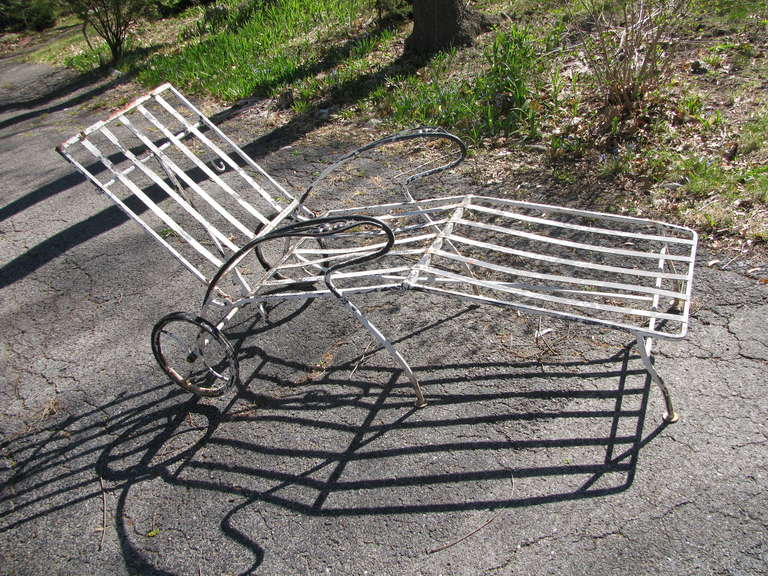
{"type": "Point", "coordinates": [314, 228]}
{"type": "Point", "coordinates": [457, 153]}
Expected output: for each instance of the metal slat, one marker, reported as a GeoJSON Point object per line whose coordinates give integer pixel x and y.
{"type": "Point", "coordinates": [221, 154]}
{"type": "Point", "coordinates": [555, 299]}
{"type": "Point", "coordinates": [569, 243]}
{"type": "Point", "coordinates": [149, 155]}
{"type": "Point", "coordinates": [558, 278]}
{"type": "Point", "coordinates": [186, 178]}
{"type": "Point", "coordinates": [212, 230]}
{"type": "Point", "coordinates": [605, 216]}
{"type": "Point", "coordinates": [159, 212]}
{"type": "Point", "coordinates": [248, 160]}
{"type": "Point", "coordinates": [574, 263]}
{"type": "Point", "coordinates": [437, 243]}
{"type": "Point", "coordinates": [368, 248]}
{"type": "Point", "coordinates": [635, 329]}
{"type": "Point", "coordinates": [591, 229]}
{"type": "Point", "coordinates": [390, 207]}
{"type": "Point", "coordinates": [135, 217]}
{"type": "Point", "coordinates": [201, 165]}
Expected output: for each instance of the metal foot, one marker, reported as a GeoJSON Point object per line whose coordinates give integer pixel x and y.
{"type": "Point", "coordinates": [645, 345]}
{"type": "Point", "coordinates": [671, 418]}
{"type": "Point", "coordinates": [420, 402]}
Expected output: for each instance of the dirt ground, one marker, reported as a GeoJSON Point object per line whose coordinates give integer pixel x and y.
{"type": "Point", "coordinates": [531, 458]}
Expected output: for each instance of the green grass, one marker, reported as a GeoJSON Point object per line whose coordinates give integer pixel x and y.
{"type": "Point", "coordinates": [277, 45]}
{"type": "Point", "coordinates": [503, 98]}
{"type": "Point", "coordinates": [714, 197]}
{"type": "Point", "coordinates": [732, 11]}
{"type": "Point", "coordinates": [346, 82]}
{"type": "Point", "coordinates": [754, 133]}
{"type": "Point", "coordinates": [707, 178]}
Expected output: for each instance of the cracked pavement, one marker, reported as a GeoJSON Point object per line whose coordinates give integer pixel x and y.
{"type": "Point", "coordinates": [526, 461]}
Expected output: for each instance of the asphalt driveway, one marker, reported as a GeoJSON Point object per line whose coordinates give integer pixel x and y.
{"type": "Point", "coordinates": [530, 459]}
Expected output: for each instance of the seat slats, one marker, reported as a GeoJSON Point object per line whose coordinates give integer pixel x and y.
{"type": "Point", "coordinates": [602, 268]}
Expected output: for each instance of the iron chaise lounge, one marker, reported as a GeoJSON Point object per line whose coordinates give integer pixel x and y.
{"type": "Point", "coordinates": [251, 241]}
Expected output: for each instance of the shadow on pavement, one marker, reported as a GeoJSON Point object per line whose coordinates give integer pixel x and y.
{"type": "Point", "coordinates": [68, 89]}
{"type": "Point", "coordinates": [341, 446]}
{"type": "Point", "coordinates": [81, 232]}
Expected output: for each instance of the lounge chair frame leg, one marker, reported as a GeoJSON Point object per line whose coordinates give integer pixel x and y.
{"type": "Point", "coordinates": [645, 345]}
{"type": "Point", "coordinates": [377, 334]}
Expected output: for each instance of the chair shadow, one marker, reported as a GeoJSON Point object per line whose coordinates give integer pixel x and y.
{"type": "Point", "coordinates": [345, 445]}
{"type": "Point", "coordinates": [60, 97]}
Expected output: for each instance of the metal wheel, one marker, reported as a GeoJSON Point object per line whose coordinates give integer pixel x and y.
{"type": "Point", "coordinates": [194, 354]}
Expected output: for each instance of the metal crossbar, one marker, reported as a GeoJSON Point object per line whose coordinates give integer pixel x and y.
{"type": "Point", "coordinates": [200, 187]}
{"type": "Point", "coordinates": [206, 201]}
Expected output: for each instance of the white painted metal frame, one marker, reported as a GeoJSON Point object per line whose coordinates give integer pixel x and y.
{"type": "Point", "coordinates": [625, 273]}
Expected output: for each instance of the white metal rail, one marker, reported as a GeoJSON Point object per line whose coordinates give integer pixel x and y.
{"type": "Point", "coordinates": [214, 208]}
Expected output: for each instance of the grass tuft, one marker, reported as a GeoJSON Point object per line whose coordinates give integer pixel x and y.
{"type": "Point", "coordinates": [501, 99]}
{"type": "Point", "coordinates": [754, 133]}
{"type": "Point", "coordinates": [272, 48]}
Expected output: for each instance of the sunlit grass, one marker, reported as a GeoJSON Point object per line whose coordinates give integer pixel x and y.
{"type": "Point", "coordinates": [501, 98]}
{"type": "Point", "coordinates": [274, 47]}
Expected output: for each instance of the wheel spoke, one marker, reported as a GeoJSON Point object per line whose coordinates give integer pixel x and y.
{"type": "Point", "coordinates": [195, 354]}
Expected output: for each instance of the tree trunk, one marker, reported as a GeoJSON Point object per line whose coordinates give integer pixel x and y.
{"type": "Point", "coordinates": [439, 24]}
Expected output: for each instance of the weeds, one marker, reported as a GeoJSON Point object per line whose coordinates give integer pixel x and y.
{"type": "Point", "coordinates": [219, 18]}
{"type": "Point", "coordinates": [613, 165]}
{"type": "Point", "coordinates": [502, 99]}
{"type": "Point", "coordinates": [627, 47]}
{"type": "Point", "coordinates": [754, 134]}
{"type": "Point", "coordinates": [690, 106]}
{"type": "Point", "coordinates": [731, 11]}
{"type": "Point", "coordinates": [708, 179]}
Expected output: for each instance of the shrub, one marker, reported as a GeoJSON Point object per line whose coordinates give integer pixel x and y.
{"type": "Point", "coordinates": [627, 44]}
{"type": "Point", "coordinates": [112, 19]}
{"type": "Point", "coordinates": [27, 14]}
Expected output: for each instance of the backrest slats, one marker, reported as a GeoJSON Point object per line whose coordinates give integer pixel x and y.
{"type": "Point", "coordinates": [201, 165]}
{"type": "Point", "coordinates": [133, 215]}
{"type": "Point", "coordinates": [171, 191]}
{"type": "Point", "coordinates": [176, 174]}
{"type": "Point", "coordinates": [192, 128]}
{"type": "Point", "coordinates": [169, 164]}
{"type": "Point", "coordinates": [229, 142]}
{"type": "Point", "coordinates": [139, 193]}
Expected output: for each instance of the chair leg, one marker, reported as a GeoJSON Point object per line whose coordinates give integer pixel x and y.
{"type": "Point", "coordinates": [376, 333]}
{"type": "Point", "coordinates": [645, 346]}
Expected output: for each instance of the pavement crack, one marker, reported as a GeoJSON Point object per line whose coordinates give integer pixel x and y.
{"type": "Point", "coordinates": [608, 534]}
{"type": "Point", "coordinates": [672, 509]}
{"type": "Point", "coordinates": [686, 445]}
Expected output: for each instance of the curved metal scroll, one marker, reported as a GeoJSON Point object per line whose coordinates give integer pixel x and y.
{"type": "Point", "coordinates": [314, 228]}
{"type": "Point", "coordinates": [426, 132]}
{"type": "Point", "coordinates": [325, 227]}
